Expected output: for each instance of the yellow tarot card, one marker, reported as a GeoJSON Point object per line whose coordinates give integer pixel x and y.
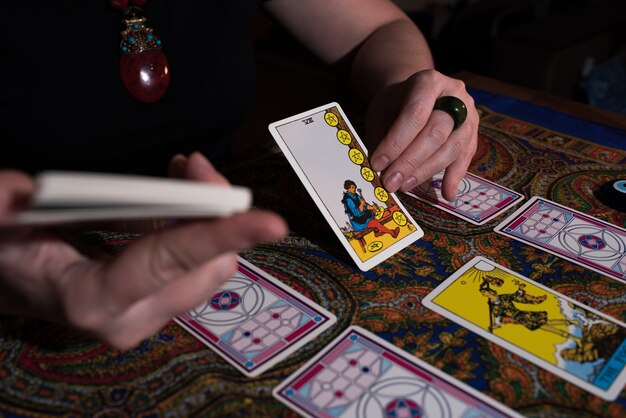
{"type": "Point", "coordinates": [571, 340]}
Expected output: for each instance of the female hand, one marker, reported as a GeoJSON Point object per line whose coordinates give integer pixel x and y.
{"type": "Point", "coordinates": [412, 142]}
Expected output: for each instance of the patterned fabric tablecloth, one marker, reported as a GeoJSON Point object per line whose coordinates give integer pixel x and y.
{"type": "Point", "coordinates": [46, 370]}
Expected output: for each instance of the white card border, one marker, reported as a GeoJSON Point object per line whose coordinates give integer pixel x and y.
{"type": "Point", "coordinates": [332, 319]}
{"type": "Point", "coordinates": [500, 230]}
{"type": "Point", "coordinates": [399, 352]}
{"type": "Point", "coordinates": [470, 220]}
{"type": "Point", "coordinates": [375, 259]}
{"type": "Point", "coordinates": [610, 395]}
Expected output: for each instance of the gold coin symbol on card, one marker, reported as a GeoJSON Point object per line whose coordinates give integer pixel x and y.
{"type": "Point", "coordinates": [356, 156]}
{"type": "Point", "coordinates": [375, 246]}
{"type": "Point", "coordinates": [367, 174]}
{"type": "Point", "coordinates": [381, 194]}
{"type": "Point", "coordinates": [331, 119]}
{"type": "Point", "coordinates": [344, 137]}
{"type": "Point", "coordinates": [399, 218]}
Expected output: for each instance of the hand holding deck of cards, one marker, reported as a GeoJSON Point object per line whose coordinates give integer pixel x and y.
{"type": "Point", "coordinates": [254, 321]}
{"type": "Point", "coordinates": [124, 297]}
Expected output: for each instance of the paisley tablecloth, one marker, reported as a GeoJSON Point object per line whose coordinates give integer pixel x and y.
{"type": "Point", "coordinates": [47, 370]}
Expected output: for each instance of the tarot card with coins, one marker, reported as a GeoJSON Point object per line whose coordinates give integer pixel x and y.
{"type": "Point", "coordinates": [332, 163]}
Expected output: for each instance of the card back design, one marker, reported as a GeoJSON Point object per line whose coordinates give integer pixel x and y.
{"type": "Point", "coordinates": [577, 343]}
{"type": "Point", "coordinates": [332, 163]}
{"type": "Point", "coordinates": [362, 375]}
{"type": "Point", "coordinates": [254, 321]}
{"type": "Point", "coordinates": [478, 200]}
{"type": "Point", "coordinates": [570, 234]}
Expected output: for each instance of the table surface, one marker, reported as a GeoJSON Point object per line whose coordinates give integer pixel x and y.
{"type": "Point", "coordinates": [570, 107]}
{"type": "Point", "coordinates": [47, 370]}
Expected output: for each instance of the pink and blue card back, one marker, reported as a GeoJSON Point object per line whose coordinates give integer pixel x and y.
{"type": "Point", "coordinates": [570, 234]}
{"type": "Point", "coordinates": [361, 375]}
{"type": "Point", "coordinates": [254, 321]}
{"type": "Point", "coordinates": [477, 201]}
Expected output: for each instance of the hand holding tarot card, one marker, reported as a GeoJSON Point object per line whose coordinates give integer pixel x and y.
{"type": "Point", "coordinates": [332, 163]}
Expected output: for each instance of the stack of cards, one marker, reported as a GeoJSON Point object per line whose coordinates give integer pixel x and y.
{"type": "Point", "coordinates": [63, 197]}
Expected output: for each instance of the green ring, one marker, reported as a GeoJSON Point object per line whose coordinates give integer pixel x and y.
{"type": "Point", "coordinates": [454, 107]}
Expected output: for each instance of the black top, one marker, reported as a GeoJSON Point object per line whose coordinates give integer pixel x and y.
{"type": "Point", "coordinates": [63, 105]}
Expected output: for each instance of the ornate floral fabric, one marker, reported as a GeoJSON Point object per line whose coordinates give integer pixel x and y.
{"type": "Point", "coordinates": [46, 370]}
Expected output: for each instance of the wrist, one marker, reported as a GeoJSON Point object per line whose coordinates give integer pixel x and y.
{"type": "Point", "coordinates": [390, 56]}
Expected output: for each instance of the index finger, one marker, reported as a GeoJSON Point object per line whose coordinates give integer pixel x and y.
{"type": "Point", "coordinates": [411, 119]}
{"type": "Point", "coordinates": [158, 259]}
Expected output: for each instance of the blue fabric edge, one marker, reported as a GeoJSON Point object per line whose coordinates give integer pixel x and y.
{"type": "Point", "coordinates": [551, 119]}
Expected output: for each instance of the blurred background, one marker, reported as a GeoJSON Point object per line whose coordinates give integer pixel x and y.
{"type": "Point", "coordinates": [575, 49]}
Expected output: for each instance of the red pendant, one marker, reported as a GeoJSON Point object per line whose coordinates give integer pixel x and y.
{"type": "Point", "coordinates": [143, 67]}
{"type": "Point", "coordinates": [119, 4]}
{"type": "Point", "coordinates": [146, 76]}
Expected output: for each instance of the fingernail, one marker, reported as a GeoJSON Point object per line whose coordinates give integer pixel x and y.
{"type": "Point", "coordinates": [394, 182]}
{"type": "Point", "coordinates": [380, 163]}
{"type": "Point", "coordinates": [410, 183]}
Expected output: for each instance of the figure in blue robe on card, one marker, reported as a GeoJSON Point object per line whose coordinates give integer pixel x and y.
{"type": "Point", "coordinates": [362, 216]}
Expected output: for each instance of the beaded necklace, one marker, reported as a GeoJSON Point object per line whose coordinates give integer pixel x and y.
{"type": "Point", "coordinates": [143, 67]}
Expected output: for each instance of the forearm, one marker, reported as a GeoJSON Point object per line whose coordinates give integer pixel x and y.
{"type": "Point", "coordinates": [379, 41]}
{"type": "Point", "coordinates": [389, 55]}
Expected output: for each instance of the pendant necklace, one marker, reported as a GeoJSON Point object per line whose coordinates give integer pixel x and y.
{"type": "Point", "coordinates": [143, 67]}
